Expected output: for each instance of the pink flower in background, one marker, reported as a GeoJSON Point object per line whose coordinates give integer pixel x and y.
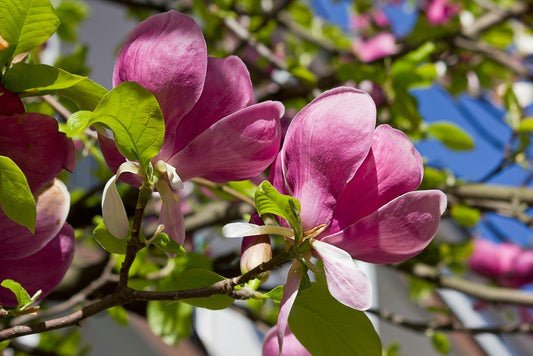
{"type": "Point", "coordinates": [32, 141]}
{"type": "Point", "coordinates": [379, 46]}
{"type": "Point", "coordinates": [508, 264]}
{"type": "Point", "coordinates": [212, 130]}
{"type": "Point", "coordinates": [440, 12]}
{"type": "Point", "coordinates": [291, 345]}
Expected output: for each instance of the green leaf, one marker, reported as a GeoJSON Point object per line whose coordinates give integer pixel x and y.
{"type": "Point", "coordinates": [526, 125]}
{"type": "Point", "coordinates": [433, 178]}
{"type": "Point", "coordinates": [198, 278]}
{"type": "Point", "coordinates": [4, 344]}
{"type": "Point", "coordinates": [25, 25]}
{"type": "Point", "coordinates": [323, 324]}
{"type": "Point", "coordinates": [165, 243]}
{"type": "Point", "coordinates": [16, 199]}
{"type": "Point", "coordinates": [109, 242]}
{"type": "Point", "coordinates": [71, 13]}
{"type": "Point", "coordinates": [451, 136]}
{"type": "Point", "coordinates": [40, 79]}
{"type": "Point", "coordinates": [440, 342]}
{"type": "Point", "coordinates": [172, 321]}
{"type": "Point", "coordinates": [275, 294]}
{"type": "Point", "coordinates": [22, 296]}
{"type": "Point", "coordinates": [133, 114]}
{"type": "Point", "coordinates": [119, 314]}
{"type": "Point", "coordinates": [269, 201]}
{"type": "Point", "coordinates": [465, 215]}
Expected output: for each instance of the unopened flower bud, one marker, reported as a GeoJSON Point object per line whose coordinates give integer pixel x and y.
{"type": "Point", "coordinates": [254, 251]}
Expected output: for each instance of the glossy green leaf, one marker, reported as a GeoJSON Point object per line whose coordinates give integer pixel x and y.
{"type": "Point", "coordinates": [166, 244]}
{"type": "Point", "coordinates": [269, 201]}
{"type": "Point", "coordinates": [198, 278]}
{"type": "Point", "coordinates": [133, 114]}
{"type": "Point", "coordinates": [40, 79]}
{"type": "Point", "coordinates": [119, 314]}
{"type": "Point", "coordinates": [25, 24]}
{"type": "Point", "coordinates": [20, 293]}
{"type": "Point", "coordinates": [323, 324]}
{"type": "Point", "coordinates": [171, 321]}
{"type": "Point", "coordinates": [440, 342]}
{"type": "Point", "coordinates": [526, 125]}
{"type": "Point", "coordinates": [451, 136]}
{"type": "Point", "coordinates": [16, 199]}
{"type": "Point", "coordinates": [275, 294]}
{"type": "Point", "coordinates": [109, 242]}
{"type": "Point", "coordinates": [465, 215]}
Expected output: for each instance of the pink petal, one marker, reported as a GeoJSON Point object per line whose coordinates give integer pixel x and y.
{"type": "Point", "coordinates": [291, 345]}
{"type": "Point", "coordinates": [325, 144]}
{"type": "Point", "coordinates": [393, 167]}
{"type": "Point", "coordinates": [290, 291]}
{"type": "Point", "coordinates": [227, 89]}
{"type": "Point", "coordinates": [112, 156]}
{"type": "Point", "coordinates": [238, 147]}
{"type": "Point", "coordinates": [396, 231]}
{"type": "Point", "coordinates": [493, 259]}
{"type": "Point", "coordinates": [52, 209]}
{"type": "Point", "coordinates": [41, 271]}
{"type": "Point", "coordinates": [170, 214]}
{"type": "Point", "coordinates": [379, 46]}
{"type": "Point", "coordinates": [10, 103]}
{"type": "Point", "coordinates": [346, 283]}
{"type": "Point", "coordinates": [167, 55]}
{"type": "Point", "coordinates": [32, 141]}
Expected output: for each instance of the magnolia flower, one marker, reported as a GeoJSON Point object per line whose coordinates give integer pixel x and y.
{"type": "Point", "coordinates": [356, 187]}
{"type": "Point", "coordinates": [40, 260]}
{"type": "Point", "coordinates": [507, 263]}
{"type": "Point", "coordinates": [211, 130]}
{"type": "Point", "coordinates": [379, 46]}
{"type": "Point", "coordinates": [291, 345]}
{"type": "Point", "coordinates": [439, 12]}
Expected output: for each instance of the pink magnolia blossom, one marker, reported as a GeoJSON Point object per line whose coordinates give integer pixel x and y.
{"type": "Point", "coordinates": [32, 141]}
{"type": "Point", "coordinates": [212, 130]}
{"type": "Point", "coordinates": [507, 263]}
{"type": "Point", "coordinates": [358, 182]}
{"type": "Point", "coordinates": [439, 12]}
{"type": "Point", "coordinates": [379, 46]}
{"type": "Point", "coordinates": [291, 345]}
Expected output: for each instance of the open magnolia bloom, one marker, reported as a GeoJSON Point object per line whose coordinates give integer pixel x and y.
{"type": "Point", "coordinates": [356, 187]}
{"type": "Point", "coordinates": [37, 261]}
{"type": "Point", "coordinates": [211, 128]}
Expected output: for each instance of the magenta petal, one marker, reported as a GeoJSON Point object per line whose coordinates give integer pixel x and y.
{"type": "Point", "coordinates": [10, 103]}
{"type": "Point", "coordinates": [227, 89]}
{"type": "Point", "coordinates": [41, 271]}
{"type": "Point", "coordinates": [346, 283]}
{"type": "Point", "coordinates": [393, 167]}
{"type": "Point", "coordinates": [396, 231]}
{"type": "Point", "coordinates": [325, 144]}
{"type": "Point", "coordinates": [291, 345]}
{"type": "Point", "coordinates": [170, 214]}
{"type": "Point", "coordinates": [109, 149]}
{"type": "Point", "coordinates": [238, 147]}
{"type": "Point", "coordinates": [290, 291]}
{"type": "Point", "coordinates": [167, 55]}
{"type": "Point", "coordinates": [52, 209]}
{"type": "Point", "coordinates": [32, 141]}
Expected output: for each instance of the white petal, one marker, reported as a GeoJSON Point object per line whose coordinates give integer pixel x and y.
{"type": "Point", "coordinates": [346, 283]}
{"type": "Point", "coordinates": [113, 211]}
{"type": "Point", "coordinates": [241, 229]}
{"type": "Point", "coordinates": [171, 174]}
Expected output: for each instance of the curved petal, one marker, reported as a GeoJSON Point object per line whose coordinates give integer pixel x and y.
{"type": "Point", "coordinates": [10, 103]}
{"type": "Point", "coordinates": [227, 89]}
{"type": "Point", "coordinates": [109, 149]}
{"type": "Point", "coordinates": [291, 345]}
{"type": "Point", "coordinates": [52, 209]}
{"type": "Point", "coordinates": [325, 144]}
{"type": "Point", "coordinates": [170, 214]}
{"type": "Point", "coordinates": [238, 147]}
{"type": "Point", "coordinates": [32, 141]}
{"type": "Point", "coordinates": [396, 231]}
{"type": "Point", "coordinates": [290, 291]}
{"type": "Point", "coordinates": [167, 55]}
{"type": "Point", "coordinates": [41, 271]}
{"type": "Point", "coordinates": [393, 167]}
{"type": "Point", "coordinates": [346, 283]}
